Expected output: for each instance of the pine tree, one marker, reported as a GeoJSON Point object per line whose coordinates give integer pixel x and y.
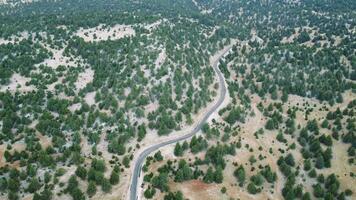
{"type": "Point", "coordinates": [106, 186]}
{"type": "Point", "coordinates": [240, 174]}
{"type": "Point", "coordinates": [91, 190]}
{"type": "Point", "coordinates": [114, 178]}
{"type": "Point", "coordinates": [34, 185]}
{"type": "Point", "coordinates": [81, 172]}
{"type": "Point", "coordinates": [178, 151]}
{"type": "Point", "coordinates": [218, 175]}
{"type": "Point", "coordinates": [209, 176]}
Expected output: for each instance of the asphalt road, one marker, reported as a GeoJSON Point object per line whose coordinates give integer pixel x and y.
{"type": "Point", "coordinates": [149, 150]}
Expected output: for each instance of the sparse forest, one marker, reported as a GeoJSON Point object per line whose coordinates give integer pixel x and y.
{"type": "Point", "coordinates": [86, 86]}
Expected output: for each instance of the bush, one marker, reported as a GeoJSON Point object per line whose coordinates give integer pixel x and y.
{"type": "Point", "coordinates": [174, 196]}
{"type": "Point", "coordinates": [81, 172]}
{"type": "Point", "coordinates": [106, 186]}
{"type": "Point", "coordinates": [240, 175]}
{"type": "Point", "coordinates": [252, 189]}
{"type": "Point", "coordinates": [149, 193]}
{"type": "Point", "coordinates": [114, 178]}
{"type": "Point", "coordinates": [91, 190]}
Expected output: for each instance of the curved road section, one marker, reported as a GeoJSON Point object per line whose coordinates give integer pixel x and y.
{"type": "Point", "coordinates": [149, 150]}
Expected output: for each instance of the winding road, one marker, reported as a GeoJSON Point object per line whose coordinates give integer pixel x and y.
{"type": "Point", "coordinates": [141, 158]}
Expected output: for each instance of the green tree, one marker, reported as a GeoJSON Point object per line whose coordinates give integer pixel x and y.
{"type": "Point", "coordinates": [34, 185]}
{"type": "Point", "coordinates": [257, 179]}
{"type": "Point", "coordinates": [319, 163]}
{"type": "Point", "coordinates": [98, 165]}
{"type": "Point", "coordinates": [240, 175]}
{"type": "Point", "coordinates": [318, 191]}
{"type": "Point", "coordinates": [13, 184]}
{"type": "Point", "coordinates": [290, 160]}
{"type": "Point", "coordinates": [178, 151]}
{"type": "Point", "coordinates": [209, 176]}
{"type": "Point", "coordinates": [114, 177]}
{"type": "Point", "coordinates": [126, 161]}
{"type": "Point", "coordinates": [77, 194]}
{"type": "Point", "coordinates": [160, 182]}
{"type": "Point", "coordinates": [105, 185]}
{"type": "Point", "coordinates": [252, 189]}
{"type": "Point", "coordinates": [81, 172]}
{"type": "Point", "coordinates": [158, 156]}
{"type": "Point", "coordinates": [91, 190]}
{"type": "Point", "coordinates": [218, 175]}
{"type": "Point", "coordinates": [174, 196]}
{"type": "Point", "coordinates": [149, 193]}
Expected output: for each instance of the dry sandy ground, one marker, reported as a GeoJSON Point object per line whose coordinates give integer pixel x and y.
{"type": "Point", "coordinates": [90, 98]}
{"type": "Point", "coordinates": [17, 83]}
{"type": "Point", "coordinates": [21, 146]}
{"type": "Point", "coordinates": [102, 32]}
{"type": "Point", "coordinates": [154, 25]}
{"type": "Point", "coordinates": [161, 58]}
{"type": "Point", "coordinates": [84, 78]}
{"type": "Point", "coordinates": [254, 37]}
{"type": "Point", "coordinates": [202, 10]}
{"type": "Point", "coordinates": [15, 38]}
{"type": "Point", "coordinates": [292, 37]}
{"type": "Point", "coordinates": [59, 59]}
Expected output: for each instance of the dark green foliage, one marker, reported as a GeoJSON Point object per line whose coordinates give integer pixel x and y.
{"type": "Point", "coordinates": [184, 172]}
{"type": "Point", "coordinates": [81, 172]}
{"type": "Point", "coordinates": [252, 189]}
{"type": "Point", "coordinates": [73, 190]}
{"type": "Point", "coordinates": [209, 176]}
{"type": "Point", "coordinates": [198, 144]}
{"type": "Point", "coordinates": [98, 165]}
{"type": "Point", "coordinates": [158, 156]}
{"type": "Point", "coordinates": [141, 132]}
{"type": "Point", "coordinates": [174, 196]}
{"type": "Point", "coordinates": [105, 185]}
{"type": "Point", "coordinates": [77, 194]}
{"type": "Point", "coordinates": [223, 190]}
{"type": "Point", "coordinates": [13, 184]}
{"type": "Point", "coordinates": [285, 169]}
{"type": "Point", "coordinates": [270, 124]}
{"type": "Point", "coordinates": [289, 159]}
{"type": "Point", "coordinates": [149, 193]}
{"type": "Point", "coordinates": [126, 161]}
{"type": "Point", "coordinates": [215, 154]}
{"type": "Point", "coordinates": [114, 177]}
{"type": "Point", "coordinates": [34, 185]}
{"type": "Point", "coordinates": [178, 151]}
{"type": "Point", "coordinates": [281, 138]}
{"type": "Point", "coordinates": [306, 196]}
{"type": "Point", "coordinates": [240, 175]}
{"type": "Point", "coordinates": [257, 179]}
{"type": "Point", "coordinates": [234, 116]}
{"type": "Point", "coordinates": [303, 37]}
{"type": "Point", "coordinates": [319, 162]}
{"type": "Point", "coordinates": [12, 196]}
{"type": "Point", "coordinates": [270, 176]}
{"type": "Point", "coordinates": [160, 182]}
{"type": "Point", "coordinates": [318, 191]}
{"type": "Point", "coordinates": [91, 190]}
{"type": "Point", "coordinates": [312, 173]}
{"type": "Point", "coordinates": [218, 175]}
{"type": "Point", "coordinates": [44, 195]}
